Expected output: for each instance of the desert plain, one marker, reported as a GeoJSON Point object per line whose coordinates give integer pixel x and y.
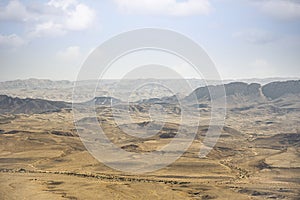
{"type": "Point", "coordinates": [257, 155]}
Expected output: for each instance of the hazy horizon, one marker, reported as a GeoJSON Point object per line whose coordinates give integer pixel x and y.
{"type": "Point", "coordinates": [112, 79]}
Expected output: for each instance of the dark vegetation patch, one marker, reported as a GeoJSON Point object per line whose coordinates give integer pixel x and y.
{"type": "Point", "coordinates": [63, 133]}
{"type": "Point", "coordinates": [254, 192]}
{"type": "Point", "coordinates": [169, 134]}
{"type": "Point", "coordinates": [54, 182]}
{"type": "Point", "coordinates": [130, 148]}
{"type": "Point", "coordinates": [262, 165]}
{"type": "Point", "coordinates": [12, 132]}
{"type": "Point", "coordinates": [269, 123]}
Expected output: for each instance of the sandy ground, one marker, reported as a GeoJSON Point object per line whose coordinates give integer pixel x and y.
{"type": "Point", "coordinates": [43, 158]}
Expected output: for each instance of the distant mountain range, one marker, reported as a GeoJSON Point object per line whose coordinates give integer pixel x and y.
{"type": "Point", "coordinates": [35, 84]}
{"type": "Point", "coordinates": [62, 90]}
{"type": "Point", "coordinates": [29, 106]}
{"type": "Point", "coordinates": [50, 84]}
{"type": "Point", "coordinates": [243, 91]}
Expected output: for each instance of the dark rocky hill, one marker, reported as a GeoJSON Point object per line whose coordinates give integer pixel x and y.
{"type": "Point", "coordinates": [231, 89]}
{"type": "Point", "coordinates": [275, 90]}
{"type": "Point", "coordinates": [29, 106]}
{"type": "Point", "coordinates": [251, 91]}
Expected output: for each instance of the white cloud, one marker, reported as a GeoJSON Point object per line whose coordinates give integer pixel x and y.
{"type": "Point", "coordinates": [165, 7]}
{"type": "Point", "coordinates": [14, 11]}
{"type": "Point", "coordinates": [80, 18]}
{"type": "Point", "coordinates": [48, 29]}
{"type": "Point", "coordinates": [11, 41]}
{"type": "Point", "coordinates": [74, 17]}
{"type": "Point", "coordinates": [54, 18]}
{"type": "Point", "coordinates": [280, 9]}
{"type": "Point", "coordinates": [70, 54]}
{"type": "Point", "coordinates": [63, 4]}
{"type": "Point", "coordinates": [255, 36]}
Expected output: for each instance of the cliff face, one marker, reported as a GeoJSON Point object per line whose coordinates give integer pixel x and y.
{"type": "Point", "coordinates": [275, 90]}
{"type": "Point", "coordinates": [253, 91]}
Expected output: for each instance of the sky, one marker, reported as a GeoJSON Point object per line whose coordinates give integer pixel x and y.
{"type": "Point", "coordinates": [245, 38]}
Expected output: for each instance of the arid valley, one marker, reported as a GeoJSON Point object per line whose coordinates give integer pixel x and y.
{"type": "Point", "coordinates": [257, 155]}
